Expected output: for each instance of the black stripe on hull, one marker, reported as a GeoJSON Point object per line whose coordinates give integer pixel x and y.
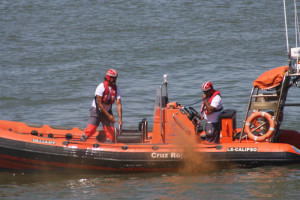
{"type": "Point", "coordinates": [22, 155]}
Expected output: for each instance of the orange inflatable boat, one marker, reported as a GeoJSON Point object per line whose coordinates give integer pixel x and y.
{"type": "Point", "coordinates": [176, 140]}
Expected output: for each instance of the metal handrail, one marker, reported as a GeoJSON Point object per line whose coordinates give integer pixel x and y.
{"type": "Point", "coordinates": [246, 115]}
{"type": "Point", "coordinates": [292, 104]}
{"type": "Point", "coordinates": [184, 127]}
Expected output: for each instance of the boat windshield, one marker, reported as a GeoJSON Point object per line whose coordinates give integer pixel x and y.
{"type": "Point", "coordinates": [161, 100]}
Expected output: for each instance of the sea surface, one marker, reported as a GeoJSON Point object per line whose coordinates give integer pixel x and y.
{"type": "Point", "coordinates": [53, 54]}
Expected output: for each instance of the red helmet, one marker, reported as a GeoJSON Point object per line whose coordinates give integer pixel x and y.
{"type": "Point", "coordinates": [111, 72]}
{"type": "Point", "coordinates": [207, 86]}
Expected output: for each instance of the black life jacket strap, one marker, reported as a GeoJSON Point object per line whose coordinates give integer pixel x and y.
{"type": "Point", "coordinates": [219, 109]}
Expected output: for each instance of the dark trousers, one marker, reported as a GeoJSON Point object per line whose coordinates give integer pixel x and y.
{"type": "Point", "coordinates": [212, 132]}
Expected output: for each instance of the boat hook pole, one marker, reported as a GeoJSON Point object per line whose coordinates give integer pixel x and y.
{"type": "Point", "coordinates": [161, 122]}
{"type": "Point", "coordinates": [286, 29]}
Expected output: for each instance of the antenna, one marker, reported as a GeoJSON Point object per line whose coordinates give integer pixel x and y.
{"type": "Point", "coordinates": [286, 31]}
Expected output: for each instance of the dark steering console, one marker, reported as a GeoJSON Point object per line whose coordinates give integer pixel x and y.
{"type": "Point", "coordinates": [194, 116]}
{"type": "Point", "coordinates": [191, 112]}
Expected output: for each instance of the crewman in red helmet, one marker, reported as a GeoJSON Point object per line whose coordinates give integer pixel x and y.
{"type": "Point", "coordinates": [212, 107]}
{"type": "Point", "coordinates": [106, 94]}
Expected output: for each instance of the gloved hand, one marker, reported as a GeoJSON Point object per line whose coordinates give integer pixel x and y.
{"type": "Point", "coordinates": [83, 137]}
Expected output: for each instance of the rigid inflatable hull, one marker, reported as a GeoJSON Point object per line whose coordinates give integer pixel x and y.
{"type": "Point", "coordinates": [20, 155]}
{"type": "Point", "coordinates": [42, 147]}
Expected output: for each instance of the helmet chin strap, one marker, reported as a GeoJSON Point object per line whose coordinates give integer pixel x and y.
{"type": "Point", "coordinates": [111, 83]}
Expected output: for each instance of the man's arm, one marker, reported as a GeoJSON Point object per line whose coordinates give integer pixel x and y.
{"type": "Point", "coordinates": [119, 110]}
{"type": "Point", "coordinates": [209, 108]}
{"type": "Point", "coordinates": [101, 107]}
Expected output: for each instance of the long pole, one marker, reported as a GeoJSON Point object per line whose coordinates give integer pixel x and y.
{"type": "Point", "coordinates": [286, 30]}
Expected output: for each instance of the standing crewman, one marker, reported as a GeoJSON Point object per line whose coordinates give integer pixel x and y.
{"type": "Point", "coordinates": [106, 94]}
{"type": "Point", "coordinates": [212, 107]}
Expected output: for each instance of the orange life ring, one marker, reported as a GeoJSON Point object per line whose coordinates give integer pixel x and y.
{"type": "Point", "coordinates": [253, 117]}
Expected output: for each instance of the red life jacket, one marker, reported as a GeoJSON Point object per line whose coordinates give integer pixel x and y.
{"type": "Point", "coordinates": [113, 93]}
{"type": "Point", "coordinates": [203, 108]}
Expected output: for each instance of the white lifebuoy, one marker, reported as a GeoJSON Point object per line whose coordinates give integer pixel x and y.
{"type": "Point", "coordinates": [253, 117]}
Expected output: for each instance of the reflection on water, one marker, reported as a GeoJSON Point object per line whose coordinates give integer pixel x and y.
{"type": "Point", "coordinates": [264, 182]}
{"type": "Point", "coordinates": [272, 182]}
